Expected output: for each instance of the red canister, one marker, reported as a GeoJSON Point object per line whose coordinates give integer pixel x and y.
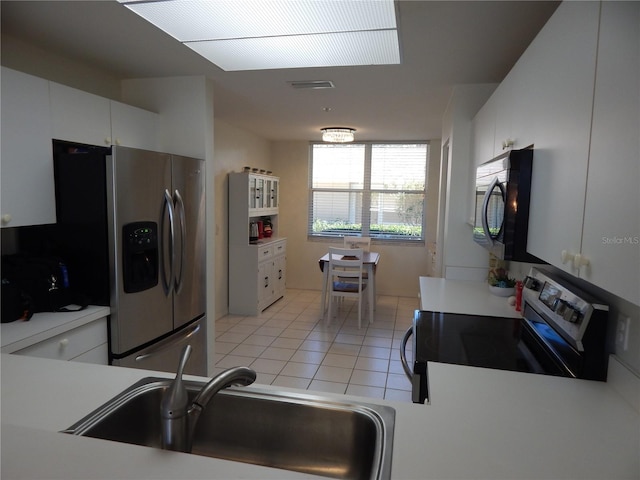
{"type": "Point", "coordinates": [518, 296]}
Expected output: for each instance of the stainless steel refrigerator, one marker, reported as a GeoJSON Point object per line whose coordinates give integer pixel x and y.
{"type": "Point", "coordinates": [137, 219]}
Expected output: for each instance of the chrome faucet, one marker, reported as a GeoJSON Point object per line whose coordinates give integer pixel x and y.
{"type": "Point", "coordinates": [179, 419]}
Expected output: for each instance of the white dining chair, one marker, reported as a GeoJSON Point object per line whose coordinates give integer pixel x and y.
{"type": "Point", "coordinates": [357, 242]}
{"type": "Point", "coordinates": [345, 278]}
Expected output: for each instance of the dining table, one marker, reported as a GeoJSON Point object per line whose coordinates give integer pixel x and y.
{"type": "Point", "coordinates": [369, 263]}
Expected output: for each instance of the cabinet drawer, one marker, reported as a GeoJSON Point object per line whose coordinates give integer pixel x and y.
{"type": "Point", "coordinates": [265, 252]}
{"type": "Point", "coordinates": [98, 355]}
{"type": "Point", "coordinates": [279, 248]}
{"type": "Point", "coordinates": [71, 344]}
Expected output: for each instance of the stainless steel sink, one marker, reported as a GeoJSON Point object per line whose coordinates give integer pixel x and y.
{"type": "Point", "coordinates": [298, 432]}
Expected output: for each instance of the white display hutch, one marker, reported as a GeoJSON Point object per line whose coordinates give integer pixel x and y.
{"type": "Point", "coordinates": [257, 270]}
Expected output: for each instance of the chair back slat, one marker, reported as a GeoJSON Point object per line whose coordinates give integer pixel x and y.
{"type": "Point", "coordinates": [357, 242]}
{"type": "Point", "coordinates": [345, 262]}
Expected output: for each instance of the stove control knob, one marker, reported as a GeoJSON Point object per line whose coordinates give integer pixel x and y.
{"type": "Point", "coordinates": [531, 283]}
{"type": "Point", "coordinates": [560, 307]}
{"type": "Point", "coordinates": [571, 314]}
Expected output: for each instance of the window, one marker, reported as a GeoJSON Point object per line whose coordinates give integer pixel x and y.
{"type": "Point", "coordinates": [369, 189]}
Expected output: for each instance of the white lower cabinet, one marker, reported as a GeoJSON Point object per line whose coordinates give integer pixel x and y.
{"type": "Point", "coordinates": [257, 276]}
{"type": "Point", "coordinates": [87, 343]}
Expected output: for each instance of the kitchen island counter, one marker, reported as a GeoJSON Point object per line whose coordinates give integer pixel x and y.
{"type": "Point", "coordinates": [480, 424]}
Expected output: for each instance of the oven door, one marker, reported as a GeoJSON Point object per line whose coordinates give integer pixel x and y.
{"type": "Point", "coordinates": [552, 354]}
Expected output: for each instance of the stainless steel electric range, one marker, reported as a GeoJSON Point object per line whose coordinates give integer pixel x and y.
{"type": "Point", "coordinates": [562, 332]}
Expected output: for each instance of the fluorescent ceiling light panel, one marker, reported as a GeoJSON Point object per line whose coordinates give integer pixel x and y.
{"type": "Point", "coordinates": [311, 33]}
{"type": "Point", "coordinates": [365, 48]}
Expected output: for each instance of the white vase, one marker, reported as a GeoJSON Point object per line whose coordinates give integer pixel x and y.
{"type": "Point", "coordinates": [502, 292]}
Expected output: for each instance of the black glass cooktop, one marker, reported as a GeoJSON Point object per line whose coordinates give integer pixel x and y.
{"type": "Point", "coordinates": [474, 340]}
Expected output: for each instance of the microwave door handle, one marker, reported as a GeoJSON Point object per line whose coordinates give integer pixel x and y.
{"type": "Point", "coordinates": [485, 208]}
{"type": "Point", "coordinates": [179, 202]}
{"type": "Point", "coordinates": [167, 210]}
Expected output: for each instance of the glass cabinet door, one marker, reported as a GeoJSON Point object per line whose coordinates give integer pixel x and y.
{"type": "Point", "coordinates": [259, 193]}
{"type": "Point", "coordinates": [274, 193]}
{"type": "Point", "coordinates": [267, 193]}
{"type": "Point", "coordinates": [252, 191]}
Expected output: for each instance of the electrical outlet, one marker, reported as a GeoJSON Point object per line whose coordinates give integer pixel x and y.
{"type": "Point", "coordinates": [622, 332]}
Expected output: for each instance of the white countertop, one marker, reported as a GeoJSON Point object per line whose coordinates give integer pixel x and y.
{"type": "Point", "coordinates": [481, 423]}
{"type": "Point", "coordinates": [462, 296]}
{"type": "Point", "coordinates": [42, 326]}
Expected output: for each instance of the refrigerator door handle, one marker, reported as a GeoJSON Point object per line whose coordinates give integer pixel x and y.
{"type": "Point", "coordinates": [168, 207]}
{"type": "Point", "coordinates": [183, 237]}
{"type": "Point", "coordinates": [169, 342]}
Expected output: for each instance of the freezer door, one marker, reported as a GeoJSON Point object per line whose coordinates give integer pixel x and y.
{"type": "Point", "coordinates": [164, 355]}
{"type": "Point", "coordinates": [190, 248]}
{"type": "Point", "coordinates": [138, 182]}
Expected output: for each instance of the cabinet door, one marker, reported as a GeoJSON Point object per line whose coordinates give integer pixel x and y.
{"type": "Point", "coordinates": [563, 57]}
{"type": "Point", "coordinates": [280, 275]}
{"type": "Point", "coordinates": [80, 116]}
{"type": "Point", "coordinates": [483, 129]}
{"type": "Point", "coordinates": [275, 193]}
{"type": "Point", "coordinates": [134, 127]}
{"type": "Point", "coordinates": [503, 99]}
{"type": "Point", "coordinates": [611, 235]}
{"type": "Point", "coordinates": [253, 192]}
{"type": "Point", "coordinates": [27, 163]}
{"type": "Point", "coordinates": [265, 283]}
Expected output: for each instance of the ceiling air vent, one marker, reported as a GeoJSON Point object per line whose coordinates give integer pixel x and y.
{"type": "Point", "coordinates": [315, 84]}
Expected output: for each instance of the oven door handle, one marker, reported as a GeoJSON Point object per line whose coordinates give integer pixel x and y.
{"type": "Point", "coordinates": [403, 353]}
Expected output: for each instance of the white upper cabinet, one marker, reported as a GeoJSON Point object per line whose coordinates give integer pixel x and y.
{"type": "Point", "coordinates": [35, 111]}
{"type": "Point", "coordinates": [86, 118]}
{"type": "Point", "coordinates": [562, 59]}
{"type": "Point", "coordinates": [574, 96]}
{"type": "Point", "coordinates": [79, 116]}
{"type": "Point", "coordinates": [611, 235]}
{"type": "Point", "coordinates": [28, 196]}
{"type": "Point", "coordinates": [134, 127]}
{"type": "Point", "coordinates": [483, 132]}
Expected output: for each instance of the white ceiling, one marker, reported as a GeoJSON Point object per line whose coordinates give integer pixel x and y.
{"type": "Point", "coordinates": [442, 44]}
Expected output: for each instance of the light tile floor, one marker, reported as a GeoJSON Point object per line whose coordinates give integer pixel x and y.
{"type": "Point", "coordinates": [291, 346]}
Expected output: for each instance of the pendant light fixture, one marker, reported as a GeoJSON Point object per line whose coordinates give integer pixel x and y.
{"type": "Point", "coordinates": [338, 134]}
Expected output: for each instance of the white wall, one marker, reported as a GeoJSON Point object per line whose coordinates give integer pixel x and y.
{"type": "Point", "coordinates": [400, 265]}
{"type": "Point", "coordinates": [462, 257]}
{"type": "Point", "coordinates": [33, 60]}
{"type": "Point", "coordinates": [235, 149]}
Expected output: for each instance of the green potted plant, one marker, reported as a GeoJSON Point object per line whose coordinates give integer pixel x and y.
{"type": "Point", "coordinates": [500, 283]}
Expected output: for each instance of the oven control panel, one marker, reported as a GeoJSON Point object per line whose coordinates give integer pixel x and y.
{"type": "Point", "coordinates": [565, 307]}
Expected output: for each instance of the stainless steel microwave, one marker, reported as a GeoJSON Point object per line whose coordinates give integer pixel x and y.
{"type": "Point", "coordinates": [502, 194]}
